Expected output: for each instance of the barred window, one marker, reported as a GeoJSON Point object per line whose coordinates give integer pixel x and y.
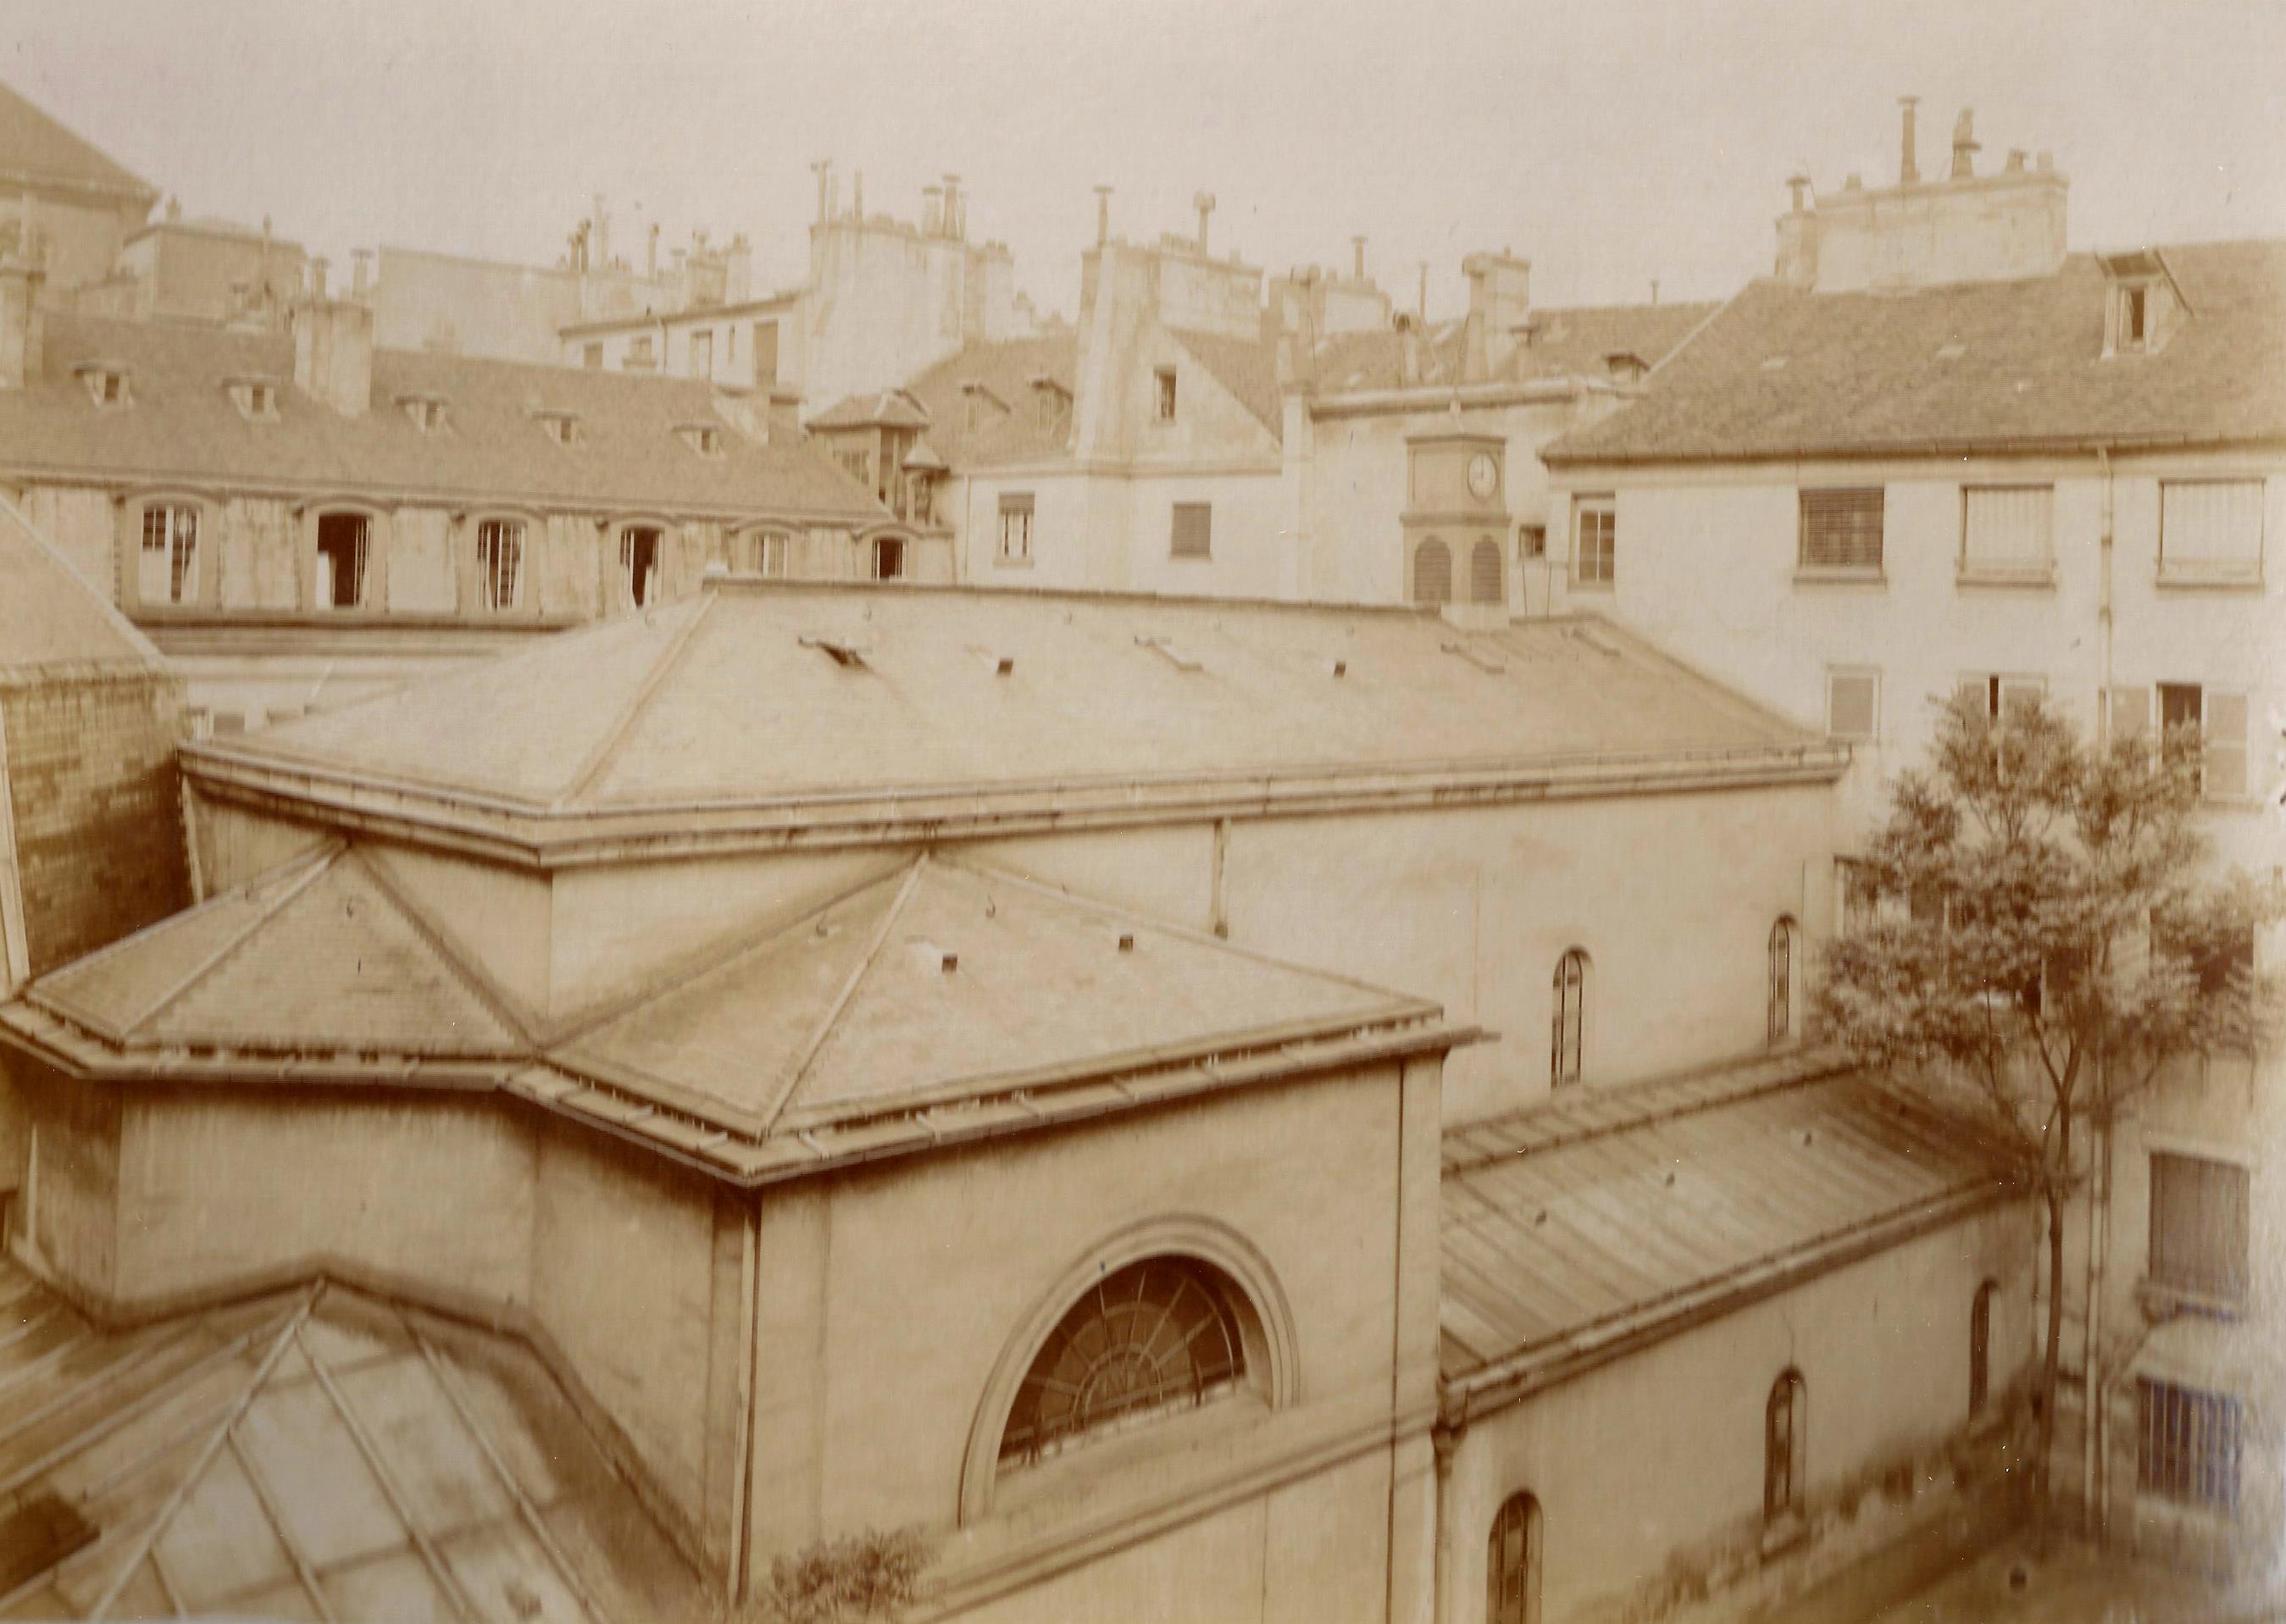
{"type": "Point", "coordinates": [1145, 1342]}
{"type": "Point", "coordinates": [1432, 573]}
{"type": "Point", "coordinates": [2199, 1225]}
{"type": "Point", "coordinates": [1568, 1022]}
{"type": "Point", "coordinates": [1192, 531]}
{"type": "Point", "coordinates": [1841, 529]}
{"type": "Point", "coordinates": [1594, 540]}
{"type": "Point", "coordinates": [500, 563]}
{"type": "Point", "coordinates": [2186, 1445]}
{"type": "Point", "coordinates": [1512, 1564]}
{"type": "Point", "coordinates": [168, 572]}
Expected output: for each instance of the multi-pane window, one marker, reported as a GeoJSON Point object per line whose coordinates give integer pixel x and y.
{"type": "Point", "coordinates": [1165, 380]}
{"type": "Point", "coordinates": [500, 563]}
{"type": "Point", "coordinates": [168, 572]}
{"type": "Point", "coordinates": [639, 551]}
{"type": "Point", "coordinates": [1016, 525]}
{"type": "Point", "coordinates": [2001, 698]}
{"type": "Point", "coordinates": [2186, 1445]}
{"type": "Point", "coordinates": [2199, 1225]}
{"type": "Point", "coordinates": [1151, 1339]}
{"type": "Point", "coordinates": [340, 560]}
{"type": "Point", "coordinates": [1853, 705]}
{"type": "Point", "coordinates": [1532, 541]}
{"type": "Point", "coordinates": [1784, 1447]}
{"type": "Point", "coordinates": [759, 552]}
{"type": "Point", "coordinates": [2220, 719]}
{"type": "Point", "coordinates": [1594, 540]}
{"type": "Point", "coordinates": [1512, 1564]}
{"type": "Point", "coordinates": [1568, 1019]}
{"type": "Point", "coordinates": [2211, 530]}
{"type": "Point", "coordinates": [2006, 530]}
{"type": "Point", "coordinates": [1485, 571]}
{"type": "Point", "coordinates": [1841, 531]}
{"type": "Point", "coordinates": [1432, 573]}
{"type": "Point", "coordinates": [1781, 999]}
{"type": "Point", "coordinates": [1192, 531]}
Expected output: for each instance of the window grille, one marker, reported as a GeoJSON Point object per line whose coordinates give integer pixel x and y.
{"type": "Point", "coordinates": [1485, 571]}
{"type": "Point", "coordinates": [1569, 1019]}
{"type": "Point", "coordinates": [169, 568]}
{"type": "Point", "coordinates": [2199, 1232]}
{"type": "Point", "coordinates": [1841, 529]}
{"type": "Point", "coordinates": [1148, 1341]}
{"type": "Point", "coordinates": [1192, 534]}
{"type": "Point", "coordinates": [2186, 1445]}
{"type": "Point", "coordinates": [1594, 540]}
{"type": "Point", "coordinates": [1512, 1564]}
{"type": "Point", "coordinates": [1432, 573]}
{"type": "Point", "coordinates": [500, 563]}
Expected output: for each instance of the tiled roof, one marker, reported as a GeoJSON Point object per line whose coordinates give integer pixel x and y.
{"type": "Point", "coordinates": [35, 147]}
{"type": "Point", "coordinates": [1005, 371]}
{"type": "Point", "coordinates": [889, 408]}
{"type": "Point", "coordinates": [932, 1004]}
{"type": "Point", "coordinates": [1579, 1226]}
{"type": "Point", "coordinates": [1565, 343]}
{"type": "Point", "coordinates": [1248, 367]}
{"type": "Point", "coordinates": [883, 696]}
{"type": "Point", "coordinates": [1784, 373]}
{"type": "Point", "coordinates": [318, 1453]}
{"type": "Point", "coordinates": [182, 423]}
{"type": "Point", "coordinates": [51, 616]}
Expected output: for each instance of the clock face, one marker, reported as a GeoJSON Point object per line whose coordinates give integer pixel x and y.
{"type": "Point", "coordinates": [1484, 476]}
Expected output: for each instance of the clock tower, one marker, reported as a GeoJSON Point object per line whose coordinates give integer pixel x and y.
{"type": "Point", "coordinates": [1455, 518]}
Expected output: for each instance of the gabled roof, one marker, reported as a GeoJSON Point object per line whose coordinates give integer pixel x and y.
{"type": "Point", "coordinates": [885, 408]}
{"type": "Point", "coordinates": [494, 446]}
{"type": "Point", "coordinates": [1009, 426]}
{"type": "Point", "coordinates": [35, 148]}
{"type": "Point", "coordinates": [2019, 364]}
{"type": "Point", "coordinates": [1580, 1227]}
{"type": "Point", "coordinates": [1565, 342]}
{"type": "Point", "coordinates": [230, 1461]}
{"type": "Point", "coordinates": [932, 1004]}
{"type": "Point", "coordinates": [753, 709]}
{"type": "Point", "coordinates": [52, 618]}
{"type": "Point", "coordinates": [1248, 367]}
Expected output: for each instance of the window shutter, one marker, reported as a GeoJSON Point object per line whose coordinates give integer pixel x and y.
{"type": "Point", "coordinates": [2130, 712]}
{"type": "Point", "coordinates": [1976, 689]}
{"type": "Point", "coordinates": [1841, 529]}
{"type": "Point", "coordinates": [2211, 529]}
{"type": "Point", "coordinates": [1193, 526]}
{"type": "Point", "coordinates": [2223, 734]}
{"type": "Point", "coordinates": [1852, 704]}
{"type": "Point", "coordinates": [1485, 571]}
{"type": "Point", "coordinates": [2007, 529]}
{"type": "Point", "coordinates": [2199, 1233]}
{"type": "Point", "coordinates": [2020, 694]}
{"type": "Point", "coordinates": [1432, 574]}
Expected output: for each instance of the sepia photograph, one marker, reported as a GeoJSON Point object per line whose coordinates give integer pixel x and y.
{"type": "Point", "coordinates": [1457, 813]}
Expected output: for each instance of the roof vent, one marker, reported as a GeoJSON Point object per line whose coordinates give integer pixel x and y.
{"type": "Point", "coordinates": [1340, 667]}
{"type": "Point", "coordinates": [1165, 648]}
{"type": "Point", "coordinates": [947, 961]}
{"type": "Point", "coordinates": [842, 653]}
{"type": "Point", "coordinates": [1127, 942]}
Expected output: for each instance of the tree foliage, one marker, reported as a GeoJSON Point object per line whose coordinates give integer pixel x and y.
{"type": "Point", "coordinates": [868, 1576]}
{"type": "Point", "coordinates": [2044, 942]}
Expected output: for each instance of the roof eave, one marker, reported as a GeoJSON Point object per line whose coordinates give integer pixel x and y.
{"type": "Point", "coordinates": [2075, 445]}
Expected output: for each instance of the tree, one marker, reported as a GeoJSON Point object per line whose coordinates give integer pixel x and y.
{"type": "Point", "coordinates": [2047, 944]}
{"type": "Point", "coordinates": [867, 1576]}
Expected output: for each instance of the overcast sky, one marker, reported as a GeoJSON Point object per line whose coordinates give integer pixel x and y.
{"type": "Point", "coordinates": [1608, 141]}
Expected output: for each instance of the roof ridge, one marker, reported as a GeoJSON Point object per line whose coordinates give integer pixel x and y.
{"type": "Point", "coordinates": [598, 759]}
{"type": "Point", "coordinates": [474, 979]}
{"type": "Point", "coordinates": [213, 961]}
{"type": "Point", "coordinates": [832, 1016]}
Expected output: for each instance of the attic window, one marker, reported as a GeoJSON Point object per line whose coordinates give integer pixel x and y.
{"type": "Point", "coordinates": [427, 412]}
{"type": "Point", "coordinates": [2144, 303]}
{"type": "Point", "coordinates": [563, 426]}
{"type": "Point", "coordinates": [255, 399]}
{"type": "Point", "coordinates": [1166, 394]}
{"type": "Point", "coordinates": [106, 380]}
{"type": "Point", "coordinates": [704, 438]}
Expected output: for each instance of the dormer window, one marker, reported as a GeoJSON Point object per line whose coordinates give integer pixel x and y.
{"type": "Point", "coordinates": [704, 438]}
{"type": "Point", "coordinates": [106, 380]}
{"type": "Point", "coordinates": [561, 426]}
{"type": "Point", "coordinates": [1165, 378]}
{"type": "Point", "coordinates": [427, 412]}
{"type": "Point", "coordinates": [255, 399]}
{"type": "Point", "coordinates": [2144, 306]}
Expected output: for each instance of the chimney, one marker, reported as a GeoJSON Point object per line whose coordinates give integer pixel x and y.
{"type": "Point", "coordinates": [1797, 183]}
{"type": "Point", "coordinates": [650, 255]}
{"type": "Point", "coordinates": [956, 208]}
{"type": "Point", "coordinates": [1964, 145]}
{"type": "Point", "coordinates": [359, 260]}
{"type": "Point", "coordinates": [1102, 216]}
{"type": "Point", "coordinates": [22, 325]}
{"type": "Point", "coordinates": [1356, 257]}
{"type": "Point", "coordinates": [333, 351]}
{"type": "Point", "coordinates": [1421, 313]}
{"type": "Point", "coordinates": [1909, 168]}
{"type": "Point", "coordinates": [318, 270]}
{"type": "Point", "coordinates": [785, 417]}
{"type": "Point", "coordinates": [857, 197]}
{"type": "Point", "coordinates": [1204, 202]}
{"type": "Point", "coordinates": [823, 167]}
{"type": "Point", "coordinates": [600, 258]}
{"type": "Point", "coordinates": [1499, 302]}
{"type": "Point", "coordinates": [932, 210]}
{"type": "Point", "coordinates": [1410, 373]}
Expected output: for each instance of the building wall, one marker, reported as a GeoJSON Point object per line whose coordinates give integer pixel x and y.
{"type": "Point", "coordinates": [875, 1355]}
{"type": "Point", "coordinates": [1626, 1493]}
{"type": "Point", "coordinates": [81, 234]}
{"type": "Point", "coordinates": [88, 766]}
{"type": "Point", "coordinates": [1114, 530]}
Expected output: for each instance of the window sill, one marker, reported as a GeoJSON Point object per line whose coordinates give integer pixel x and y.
{"type": "Point", "coordinates": [2161, 1300]}
{"type": "Point", "coordinates": [2199, 580]}
{"type": "Point", "coordinates": [2034, 580]}
{"type": "Point", "coordinates": [1592, 586]}
{"type": "Point", "coordinates": [1813, 575]}
{"type": "Point", "coordinates": [1007, 562]}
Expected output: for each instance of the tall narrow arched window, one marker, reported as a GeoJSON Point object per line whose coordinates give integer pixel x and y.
{"type": "Point", "coordinates": [1785, 1427]}
{"type": "Point", "coordinates": [1781, 1006]}
{"type": "Point", "coordinates": [1568, 1019]}
{"type": "Point", "coordinates": [1512, 1564]}
{"type": "Point", "coordinates": [1980, 1348]}
{"type": "Point", "coordinates": [1157, 1336]}
{"type": "Point", "coordinates": [1485, 571]}
{"type": "Point", "coordinates": [1432, 573]}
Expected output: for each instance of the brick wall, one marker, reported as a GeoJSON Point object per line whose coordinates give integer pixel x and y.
{"type": "Point", "coordinates": [91, 779]}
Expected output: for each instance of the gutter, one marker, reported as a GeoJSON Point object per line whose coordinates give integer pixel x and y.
{"type": "Point", "coordinates": [1997, 445]}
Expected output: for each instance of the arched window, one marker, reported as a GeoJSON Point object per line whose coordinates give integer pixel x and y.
{"type": "Point", "coordinates": [1485, 571]}
{"type": "Point", "coordinates": [1781, 1011]}
{"type": "Point", "coordinates": [1564, 1043]}
{"type": "Point", "coordinates": [1432, 574]}
{"type": "Point", "coordinates": [1980, 1348]}
{"type": "Point", "coordinates": [1783, 1442]}
{"type": "Point", "coordinates": [1512, 1564]}
{"type": "Point", "coordinates": [1154, 1337]}
{"type": "Point", "coordinates": [500, 563]}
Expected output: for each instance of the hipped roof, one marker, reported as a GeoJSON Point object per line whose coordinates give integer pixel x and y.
{"type": "Point", "coordinates": [54, 621]}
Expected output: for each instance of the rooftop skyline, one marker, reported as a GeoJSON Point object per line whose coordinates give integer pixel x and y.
{"type": "Point", "coordinates": [1611, 145]}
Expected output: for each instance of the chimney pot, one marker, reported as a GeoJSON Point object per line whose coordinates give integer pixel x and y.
{"type": "Point", "coordinates": [1964, 145]}
{"type": "Point", "coordinates": [2015, 161]}
{"type": "Point", "coordinates": [1204, 202]}
{"type": "Point", "coordinates": [1102, 216]}
{"type": "Point", "coordinates": [318, 270]}
{"type": "Point", "coordinates": [1797, 183]}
